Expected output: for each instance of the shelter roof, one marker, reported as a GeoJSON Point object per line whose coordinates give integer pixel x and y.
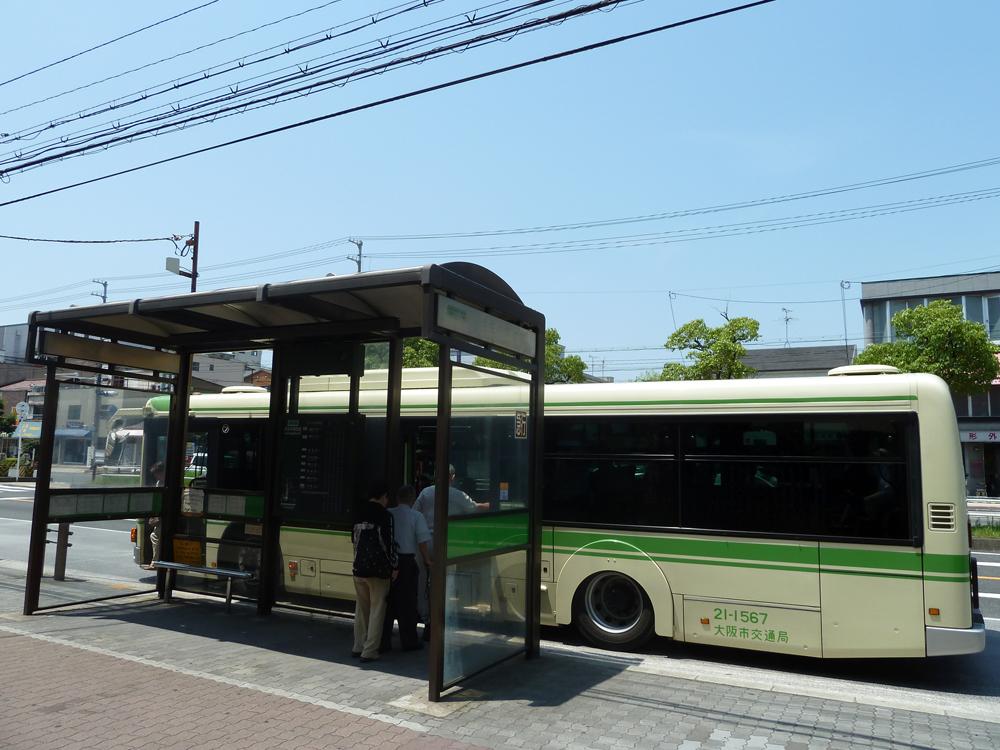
{"type": "Point", "coordinates": [228, 319]}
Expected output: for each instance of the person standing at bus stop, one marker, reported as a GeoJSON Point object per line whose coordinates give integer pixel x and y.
{"type": "Point", "coordinates": [412, 538]}
{"type": "Point", "coordinates": [458, 504]}
{"type": "Point", "coordinates": [375, 567]}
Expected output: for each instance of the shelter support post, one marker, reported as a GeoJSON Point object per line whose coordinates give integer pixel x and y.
{"type": "Point", "coordinates": [393, 448]}
{"type": "Point", "coordinates": [174, 466]}
{"type": "Point", "coordinates": [271, 538]}
{"type": "Point", "coordinates": [40, 511]}
{"type": "Point", "coordinates": [439, 570]}
{"type": "Point", "coordinates": [533, 597]}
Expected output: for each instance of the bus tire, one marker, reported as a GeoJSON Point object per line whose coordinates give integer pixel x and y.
{"type": "Point", "coordinates": [612, 611]}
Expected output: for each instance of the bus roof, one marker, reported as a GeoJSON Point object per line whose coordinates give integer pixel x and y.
{"type": "Point", "coordinates": [861, 392]}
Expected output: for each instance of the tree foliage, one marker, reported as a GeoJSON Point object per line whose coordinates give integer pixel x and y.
{"type": "Point", "coordinates": [936, 339]}
{"type": "Point", "coordinates": [7, 421]}
{"type": "Point", "coordinates": [558, 367]}
{"type": "Point", "coordinates": [715, 353]}
{"type": "Point", "coordinates": [420, 353]}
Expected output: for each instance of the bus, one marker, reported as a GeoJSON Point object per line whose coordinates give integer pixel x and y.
{"type": "Point", "coordinates": [820, 516]}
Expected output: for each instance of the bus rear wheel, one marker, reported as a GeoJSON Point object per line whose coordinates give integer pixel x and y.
{"type": "Point", "coordinates": [612, 611]}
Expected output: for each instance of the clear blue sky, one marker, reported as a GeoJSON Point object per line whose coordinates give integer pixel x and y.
{"type": "Point", "coordinates": [789, 97]}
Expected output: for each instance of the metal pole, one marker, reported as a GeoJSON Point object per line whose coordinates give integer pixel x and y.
{"type": "Point", "coordinates": [40, 511]}
{"type": "Point", "coordinates": [270, 553]}
{"type": "Point", "coordinates": [194, 257]}
{"type": "Point", "coordinates": [393, 448]}
{"type": "Point", "coordinates": [533, 603]}
{"type": "Point", "coordinates": [844, 285]}
{"type": "Point", "coordinates": [439, 570]}
{"type": "Point", "coordinates": [62, 544]}
{"type": "Point", "coordinates": [173, 474]}
{"type": "Point", "coordinates": [17, 473]}
{"type": "Point", "coordinates": [357, 258]}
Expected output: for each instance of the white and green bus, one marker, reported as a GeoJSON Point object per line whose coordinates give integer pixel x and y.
{"type": "Point", "coordinates": [824, 517]}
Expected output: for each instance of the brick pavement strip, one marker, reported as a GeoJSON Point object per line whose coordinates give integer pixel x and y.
{"type": "Point", "coordinates": [58, 696]}
{"type": "Point", "coordinates": [87, 676]}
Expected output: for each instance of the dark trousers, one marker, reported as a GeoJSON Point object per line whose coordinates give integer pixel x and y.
{"type": "Point", "coordinates": [403, 605]}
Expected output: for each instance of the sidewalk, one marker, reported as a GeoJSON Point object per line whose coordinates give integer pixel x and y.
{"type": "Point", "coordinates": [188, 675]}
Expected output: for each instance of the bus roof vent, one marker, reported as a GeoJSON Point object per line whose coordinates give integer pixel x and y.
{"type": "Point", "coordinates": [864, 370]}
{"type": "Point", "coordinates": [941, 516]}
{"type": "Point", "coordinates": [244, 389]}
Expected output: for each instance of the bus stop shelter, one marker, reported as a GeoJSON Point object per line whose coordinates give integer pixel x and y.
{"type": "Point", "coordinates": [313, 466]}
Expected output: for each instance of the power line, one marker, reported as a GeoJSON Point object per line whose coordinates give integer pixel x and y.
{"type": "Point", "coordinates": [673, 214]}
{"type": "Point", "coordinates": [709, 232]}
{"type": "Point", "coordinates": [179, 117]}
{"type": "Point", "coordinates": [174, 238]}
{"type": "Point", "coordinates": [172, 57]}
{"type": "Point", "coordinates": [235, 64]}
{"type": "Point", "coordinates": [400, 97]}
{"type": "Point", "coordinates": [105, 44]}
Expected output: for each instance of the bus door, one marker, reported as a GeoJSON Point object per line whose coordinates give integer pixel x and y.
{"type": "Point", "coordinates": [222, 506]}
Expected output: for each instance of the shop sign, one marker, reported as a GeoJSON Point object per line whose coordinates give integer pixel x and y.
{"type": "Point", "coordinates": [980, 436]}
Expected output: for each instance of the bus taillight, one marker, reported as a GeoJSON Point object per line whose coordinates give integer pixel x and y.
{"type": "Point", "coordinates": [134, 534]}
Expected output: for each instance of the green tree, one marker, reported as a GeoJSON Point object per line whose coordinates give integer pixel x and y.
{"type": "Point", "coordinates": [420, 353]}
{"type": "Point", "coordinates": [715, 353]}
{"type": "Point", "coordinates": [416, 353]}
{"type": "Point", "coordinates": [6, 420]}
{"type": "Point", "coordinates": [558, 367]}
{"type": "Point", "coordinates": [936, 339]}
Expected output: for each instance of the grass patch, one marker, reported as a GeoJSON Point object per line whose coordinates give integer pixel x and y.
{"type": "Point", "coordinates": [116, 480]}
{"type": "Point", "coordinates": [986, 532]}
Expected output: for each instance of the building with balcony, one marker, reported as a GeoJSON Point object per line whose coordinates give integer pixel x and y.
{"type": "Point", "coordinates": [978, 294]}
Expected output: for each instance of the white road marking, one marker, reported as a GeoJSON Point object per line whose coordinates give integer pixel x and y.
{"type": "Point", "coordinates": [988, 596]}
{"type": "Point", "coordinates": [987, 565]}
{"type": "Point", "coordinates": [76, 526]}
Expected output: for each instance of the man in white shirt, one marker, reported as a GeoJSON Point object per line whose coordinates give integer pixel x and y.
{"type": "Point", "coordinates": [458, 504]}
{"type": "Point", "coordinates": [412, 539]}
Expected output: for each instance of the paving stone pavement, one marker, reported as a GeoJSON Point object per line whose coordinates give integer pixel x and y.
{"type": "Point", "coordinates": [187, 675]}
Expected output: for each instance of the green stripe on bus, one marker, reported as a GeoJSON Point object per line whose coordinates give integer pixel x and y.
{"type": "Point", "coordinates": [304, 530]}
{"type": "Point", "coordinates": [934, 563]}
{"type": "Point", "coordinates": [839, 560]}
{"type": "Point", "coordinates": [866, 558]}
{"type": "Point", "coordinates": [468, 535]}
{"type": "Point", "coordinates": [762, 400]}
{"type": "Point", "coordinates": [790, 553]}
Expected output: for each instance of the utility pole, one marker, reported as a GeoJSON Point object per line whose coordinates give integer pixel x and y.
{"type": "Point", "coordinates": [788, 317]}
{"type": "Point", "coordinates": [356, 258]}
{"type": "Point", "coordinates": [193, 244]}
{"type": "Point", "coordinates": [94, 435]}
{"type": "Point", "coordinates": [844, 286]}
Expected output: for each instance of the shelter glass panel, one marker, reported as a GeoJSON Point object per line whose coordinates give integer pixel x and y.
{"type": "Point", "coordinates": [484, 613]}
{"type": "Point", "coordinates": [488, 524]}
{"type": "Point", "coordinates": [90, 560]}
{"type": "Point", "coordinates": [99, 436]}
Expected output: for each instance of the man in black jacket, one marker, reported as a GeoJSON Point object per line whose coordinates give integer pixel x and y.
{"type": "Point", "coordinates": [375, 567]}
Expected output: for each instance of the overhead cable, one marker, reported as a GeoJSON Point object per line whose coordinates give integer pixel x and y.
{"type": "Point", "coordinates": [109, 42]}
{"type": "Point", "coordinates": [174, 238]}
{"type": "Point", "coordinates": [171, 57]}
{"type": "Point", "coordinates": [259, 95]}
{"type": "Point", "coordinates": [674, 214]}
{"type": "Point", "coordinates": [398, 97]}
